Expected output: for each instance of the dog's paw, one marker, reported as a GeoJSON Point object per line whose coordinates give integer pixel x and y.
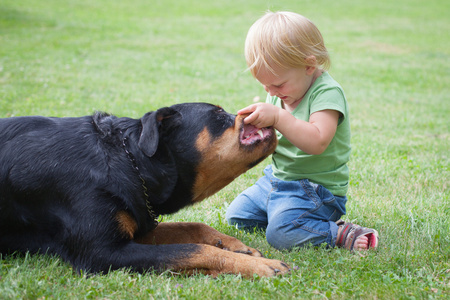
{"type": "Point", "coordinates": [274, 267]}
{"type": "Point", "coordinates": [262, 267]}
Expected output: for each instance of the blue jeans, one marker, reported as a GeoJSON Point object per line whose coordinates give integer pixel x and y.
{"type": "Point", "coordinates": [294, 213]}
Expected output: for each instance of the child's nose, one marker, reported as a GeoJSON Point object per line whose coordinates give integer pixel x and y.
{"type": "Point", "coordinates": [271, 91]}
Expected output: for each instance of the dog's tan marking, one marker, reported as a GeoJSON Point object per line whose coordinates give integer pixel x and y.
{"type": "Point", "coordinates": [223, 160]}
{"type": "Point", "coordinates": [203, 140]}
{"type": "Point", "coordinates": [220, 163]}
{"type": "Point", "coordinates": [127, 225]}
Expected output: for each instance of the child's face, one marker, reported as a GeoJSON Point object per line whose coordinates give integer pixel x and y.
{"type": "Point", "coordinates": [290, 85]}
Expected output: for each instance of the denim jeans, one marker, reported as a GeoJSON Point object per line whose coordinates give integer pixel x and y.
{"type": "Point", "coordinates": [293, 213]}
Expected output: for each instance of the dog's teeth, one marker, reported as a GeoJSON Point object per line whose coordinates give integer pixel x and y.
{"type": "Point", "coordinates": [261, 133]}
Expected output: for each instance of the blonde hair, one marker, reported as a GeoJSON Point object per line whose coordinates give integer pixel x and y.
{"type": "Point", "coordinates": [286, 40]}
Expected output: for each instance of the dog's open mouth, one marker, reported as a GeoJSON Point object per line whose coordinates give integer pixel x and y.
{"type": "Point", "coordinates": [251, 134]}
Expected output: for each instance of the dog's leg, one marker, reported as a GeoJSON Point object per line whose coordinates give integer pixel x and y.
{"type": "Point", "coordinates": [187, 259]}
{"type": "Point", "coordinates": [196, 233]}
{"type": "Point", "coordinates": [213, 261]}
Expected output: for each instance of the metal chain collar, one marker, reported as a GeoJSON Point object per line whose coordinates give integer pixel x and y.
{"type": "Point", "coordinates": [150, 210]}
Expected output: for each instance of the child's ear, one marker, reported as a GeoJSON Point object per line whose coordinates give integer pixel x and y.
{"type": "Point", "coordinates": [311, 64]}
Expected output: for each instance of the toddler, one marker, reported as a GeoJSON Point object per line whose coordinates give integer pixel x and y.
{"type": "Point", "coordinates": [302, 196]}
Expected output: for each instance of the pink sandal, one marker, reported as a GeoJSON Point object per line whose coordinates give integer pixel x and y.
{"type": "Point", "coordinates": [350, 232]}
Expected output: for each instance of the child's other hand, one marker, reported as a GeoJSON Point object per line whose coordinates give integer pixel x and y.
{"type": "Point", "coordinates": [261, 114]}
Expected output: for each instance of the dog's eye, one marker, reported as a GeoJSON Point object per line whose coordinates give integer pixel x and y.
{"type": "Point", "coordinates": [220, 114]}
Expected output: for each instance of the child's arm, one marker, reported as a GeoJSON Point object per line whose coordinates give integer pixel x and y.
{"type": "Point", "coordinates": [312, 137]}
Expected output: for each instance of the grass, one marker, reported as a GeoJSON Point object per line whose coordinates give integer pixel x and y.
{"type": "Point", "coordinates": [69, 58]}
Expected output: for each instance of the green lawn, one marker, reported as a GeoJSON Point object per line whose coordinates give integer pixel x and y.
{"type": "Point", "coordinates": [70, 58]}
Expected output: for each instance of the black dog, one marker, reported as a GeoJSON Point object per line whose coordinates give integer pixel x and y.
{"type": "Point", "coordinates": [90, 189]}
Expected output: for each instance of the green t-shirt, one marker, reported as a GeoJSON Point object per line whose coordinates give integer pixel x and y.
{"type": "Point", "coordinates": [329, 168]}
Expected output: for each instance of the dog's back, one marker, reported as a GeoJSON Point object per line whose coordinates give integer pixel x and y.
{"type": "Point", "coordinates": [41, 163]}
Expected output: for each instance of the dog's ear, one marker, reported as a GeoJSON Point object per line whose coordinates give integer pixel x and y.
{"type": "Point", "coordinates": [152, 123]}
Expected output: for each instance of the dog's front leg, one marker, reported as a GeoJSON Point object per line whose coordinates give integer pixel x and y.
{"type": "Point", "coordinates": [196, 233]}
{"type": "Point", "coordinates": [210, 260]}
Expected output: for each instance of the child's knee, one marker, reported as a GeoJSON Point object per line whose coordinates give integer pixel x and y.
{"type": "Point", "coordinates": [276, 237]}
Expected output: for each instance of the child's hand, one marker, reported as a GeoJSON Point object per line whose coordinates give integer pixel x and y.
{"type": "Point", "coordinates": [261, 114]}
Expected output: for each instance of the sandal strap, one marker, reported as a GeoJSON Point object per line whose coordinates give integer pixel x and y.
{"type": "Point", "coordinates": [350, 233]}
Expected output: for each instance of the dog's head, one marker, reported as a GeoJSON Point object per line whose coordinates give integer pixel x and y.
{"type": "Point", "coordinates": [209, 146]}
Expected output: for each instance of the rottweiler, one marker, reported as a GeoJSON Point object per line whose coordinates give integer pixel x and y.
{"type": "Point", "coordinates": [90, 189]}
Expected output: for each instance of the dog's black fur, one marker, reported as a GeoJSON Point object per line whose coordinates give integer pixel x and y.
{"type": "Point", "coordinates": [64, 182]}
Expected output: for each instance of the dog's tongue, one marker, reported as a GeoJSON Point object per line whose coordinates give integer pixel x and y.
{"type": "Point", "coordinates": [250, 130]}
{"type": "Point", "coordinates": [251, 134]}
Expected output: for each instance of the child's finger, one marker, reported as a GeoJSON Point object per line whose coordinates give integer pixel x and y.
{"type": "Point", "coordinates": [251, 118]}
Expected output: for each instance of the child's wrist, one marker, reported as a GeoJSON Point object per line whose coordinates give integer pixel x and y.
{"type": "Point", "coordinates": [278, 116]}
